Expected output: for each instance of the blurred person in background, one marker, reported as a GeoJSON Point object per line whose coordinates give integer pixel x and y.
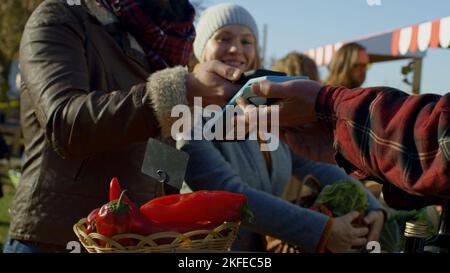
{"type": "Point", "coordinates": [348, 66]}
{"type": "Point", "coordinates": [297, 64]}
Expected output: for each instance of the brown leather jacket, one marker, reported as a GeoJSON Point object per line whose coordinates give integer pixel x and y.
{"type": "Point", "coordinates": [87, 111]}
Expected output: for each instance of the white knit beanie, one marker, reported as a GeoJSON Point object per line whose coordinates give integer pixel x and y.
{"type": "Point", "coordinates": [217, 17]}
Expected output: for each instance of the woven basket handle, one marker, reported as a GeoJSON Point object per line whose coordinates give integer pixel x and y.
{"type": "Point", "coordinates": [308, 178]}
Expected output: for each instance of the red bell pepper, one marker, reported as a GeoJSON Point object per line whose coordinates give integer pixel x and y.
{"type": "Point", "coordinates": [138, 223]}
{"type": "Point", "coordinates": [197, 208]}
{"type": "Point", "coordinates": [113, 218]}
{"type": "Point", "coordinates": [91, 221]}
{"type": "Point", "coordinates": [118, 217]}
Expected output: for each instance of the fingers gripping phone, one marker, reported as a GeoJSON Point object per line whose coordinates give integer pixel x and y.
{"type": "Point", "coordinates": [249, 78]}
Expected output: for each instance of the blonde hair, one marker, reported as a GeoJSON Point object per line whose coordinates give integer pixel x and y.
{"type": "Point", "coordinates": [340, 67]}
{"type": "Point", "coordinates": [257, 61]}
{"type": "Point", "coordinates": [297, 64]}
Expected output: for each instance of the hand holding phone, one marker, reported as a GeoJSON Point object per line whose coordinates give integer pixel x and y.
{"type": "Point", "coordinates": [246, 90]}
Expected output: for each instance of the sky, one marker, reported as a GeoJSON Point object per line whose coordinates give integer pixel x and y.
{"type": "Point", "coordinates": [304, 24]}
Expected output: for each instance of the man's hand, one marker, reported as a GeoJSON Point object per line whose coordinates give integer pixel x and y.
{"type": "Point", "coordinates": [375, 221]}
{"type": "Point", "coordinates": [297, 100]}
{"type": "Point", "coordinates": [211, 81]}
{"type": "Point", "coordinates": [344, 235]}
{"type": "Point", "coordinates": [312, 141]}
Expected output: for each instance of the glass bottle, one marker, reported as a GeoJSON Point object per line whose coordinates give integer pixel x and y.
{"type": "Point", "coordinates": [415, 236]}
{"type": "Point", "coordinates": [440, 243]}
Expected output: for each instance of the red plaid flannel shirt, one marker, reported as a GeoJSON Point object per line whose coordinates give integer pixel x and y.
{"type": "Point", "coordinates": [387, 135]}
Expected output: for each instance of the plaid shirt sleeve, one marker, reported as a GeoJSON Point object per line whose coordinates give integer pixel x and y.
{"type": "Point", "coordinates": [387, 135]}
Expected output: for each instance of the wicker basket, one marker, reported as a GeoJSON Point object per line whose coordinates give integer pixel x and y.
{"type": "Point", "coordinates": [219, 239]}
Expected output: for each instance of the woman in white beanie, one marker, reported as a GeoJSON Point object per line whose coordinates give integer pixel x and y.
{"type": "Point", "coordinates": [219, 28]}
{"type": "Point", "coordinates": [228, 33]}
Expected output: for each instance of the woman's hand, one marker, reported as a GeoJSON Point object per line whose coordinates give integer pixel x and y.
{"type": "Point", "coordinates": [374, 220]}
{"type": "Point", "coordinates": [344, 235]}
{"type": "Point", "coordinates": [212, 82]}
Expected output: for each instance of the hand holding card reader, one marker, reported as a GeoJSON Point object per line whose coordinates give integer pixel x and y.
{"type": "Point", "coordinates": [249, 78]}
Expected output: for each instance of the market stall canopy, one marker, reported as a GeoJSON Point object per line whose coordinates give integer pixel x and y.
{"type": "Point", "coordinates": [402, 43]}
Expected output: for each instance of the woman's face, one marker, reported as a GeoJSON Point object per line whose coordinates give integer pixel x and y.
{"type": "Point", "coordinates": [233, 45]}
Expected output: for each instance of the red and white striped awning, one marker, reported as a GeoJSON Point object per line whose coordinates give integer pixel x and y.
{"type": "Point", "coordinates": [432, 34]}
{"type": "Point", "coordinates": [407, 42]}
{"type": "Point", "coordinates": [322, 55]}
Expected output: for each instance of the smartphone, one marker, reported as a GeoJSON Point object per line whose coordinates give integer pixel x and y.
{"type": "Point", "coordinates": [245, 77]}
{"type": "Point", "coordinates": [246, 90]}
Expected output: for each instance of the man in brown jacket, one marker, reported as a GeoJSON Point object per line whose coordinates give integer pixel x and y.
{"type": "Point", "coordinates": [96, 85]}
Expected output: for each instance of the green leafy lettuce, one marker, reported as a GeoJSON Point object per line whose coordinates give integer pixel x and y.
{"type": "Point", "coordinates": [344, 196]}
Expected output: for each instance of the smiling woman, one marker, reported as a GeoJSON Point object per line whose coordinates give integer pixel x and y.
{"type": "Point", "coordinates": [234, 45]}
{"type": "Point", "coordinates": [231, 39]}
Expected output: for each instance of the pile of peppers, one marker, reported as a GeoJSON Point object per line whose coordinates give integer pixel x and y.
{"type": "Point", "coordinates": [178, 212]}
